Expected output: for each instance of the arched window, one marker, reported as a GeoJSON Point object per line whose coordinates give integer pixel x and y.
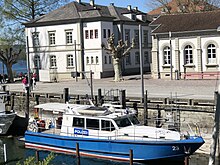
{"type": "Point", "coordinates": [188, 55]}
{"type": "Point", "coordinates": [87, 60]}
{"type": "Point", "coordinates": [110, 59]}
{"type": "Point", "coordinates": [105, 59]}
{"type": "Point", "coordinates": [92, 60]}
{"type": "Point", "coordinates": [211, 54]}
{"type": "Point", "coordinates": [97, 59]}
{"type": "Point", "coordinates": [166, 55]}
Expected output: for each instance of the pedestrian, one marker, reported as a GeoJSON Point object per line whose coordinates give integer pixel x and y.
{"type": "Point", "coordinates": [25, 84]}
{"type": "Point", "coordinates": [34, 80]}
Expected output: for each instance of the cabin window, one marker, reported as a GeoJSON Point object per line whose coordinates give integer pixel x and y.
{"type": "Point", "coordinates": [123, 122]}
{"type": "Point", "coordinates": [92, 124]}
{"type": "Point", "coordinates": [107, 126]}
{"type": "Point", "coordinates": [78, 122]}
{"type": "Point", "coordinates": [134, 120]}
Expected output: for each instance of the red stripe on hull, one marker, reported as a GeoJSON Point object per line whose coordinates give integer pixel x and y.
{"type": "Point", "coordinates": [45, 148]}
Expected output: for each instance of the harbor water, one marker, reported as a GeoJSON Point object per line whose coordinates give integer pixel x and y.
{"type": "Point", "coordinates": [20, 66]}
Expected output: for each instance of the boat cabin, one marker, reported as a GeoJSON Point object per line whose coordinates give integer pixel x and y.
{"type": "Point", "coordinates": [96, 125]}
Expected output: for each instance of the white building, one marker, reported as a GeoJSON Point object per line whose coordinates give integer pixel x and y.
{"type": "Point", "coordinates": [186, 46]}
{"type": "Point", "coordinates": [51, 37]}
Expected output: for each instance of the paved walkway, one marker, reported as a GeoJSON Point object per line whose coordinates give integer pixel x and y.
{"type": "Point", "coordinates": [203, 89]}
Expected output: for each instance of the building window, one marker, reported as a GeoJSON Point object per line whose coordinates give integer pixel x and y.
{"type": "Point", "coordinates": [97, 59]}
{"type": "Point", "coordinates": [37, 63]}
{"type": "Point", "coordinates": [136, 37]}
{"type": "Point", "coordinates": [96, 33]}
{"type": "Point", "coordinates": [52, 38]}
{"type": "Point", "coordinates": [104, 33]}
{"type": "Point", "coordinates": [137, 58]}
{"type": "Point", "coordinates": [87, 60]}
{"type": "Point", "coordinates": [211, 53]}
{"type": "Point", "coordinates": [87, 34]}
{"type": "Point", "coordinates": [127, 36]}
{"type": "Point", "coordinates": [145, 38]}
{"type": "Point", "coordinates": [188, 55]}
{"type": "Point", "coordinates": [110, 59]}
{"type": "Point", "coordinates": [70, 61]}
{"type": "Point", "coordinates": [36, 41]}
{"type": "Point", "coordinates": [166, 55]}
{"type": "Point", "coordinates": [128, 59]}
{"type": "Point", "coordinates": [91, 34]}
{"type": "Point", "coordinates": [146, 58]}
{"type": "Point", "coordinates": [69, 37]}
{"type": "Point", "coordinates": [105, 60]}
{"type": "Point", "coordinates": [53, 61]}
{"type": "Point", "coordinates": [92, 60]}
{"type": "Point", "coordinates": [109, 33]}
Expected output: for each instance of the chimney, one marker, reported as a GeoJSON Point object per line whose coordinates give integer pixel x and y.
{"type": "Point", "coordinates": [129, 7]}
{"type": "Point", "coordinates": [92, 3]}
{"type": "Point", "coordinates": [136, 8]}
{"type": "Point", "coordinates": [79, 1]}
{"type": "Point", "coordinates": [111, 4]}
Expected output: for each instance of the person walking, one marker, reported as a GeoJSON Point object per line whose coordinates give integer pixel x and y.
{"type": "Point", "coordinates": [34, 80]}
{"type": "Point", "coordinates": [25, 84]}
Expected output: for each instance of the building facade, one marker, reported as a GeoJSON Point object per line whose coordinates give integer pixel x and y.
{"type": "Point", "coordinates": [69, 39]}
{"type": "Point", "coordinates": [186, 46]}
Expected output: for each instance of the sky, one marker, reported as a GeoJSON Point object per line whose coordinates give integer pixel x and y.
{"type": "Point", "coordinates": [141, 4]}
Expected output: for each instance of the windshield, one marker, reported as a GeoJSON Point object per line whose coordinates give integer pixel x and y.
{"type": "Point", "coordinates": [134, 120]}
{"type": "Point", "coordinates": [124, 122]}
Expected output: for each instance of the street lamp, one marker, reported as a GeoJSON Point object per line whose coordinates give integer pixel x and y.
{"type": "Point", "coordinates": [171, 65]}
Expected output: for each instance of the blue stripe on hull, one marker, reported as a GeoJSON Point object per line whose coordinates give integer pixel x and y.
{"type": "Point", "coordinates": [114, 149]}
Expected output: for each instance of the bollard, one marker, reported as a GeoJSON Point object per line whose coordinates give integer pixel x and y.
{"type": "Point", "coordinates": [77, 154]}
{"type": "Point", "coordinates": [4, 88]}
{"type": "Point", "coordinates": [37, 156]}
{"type": "Point", "coordinates": [145, 109]}
{"type": "Point", "coordinates": [186, 161]}
{"type": "Point", "coordinates": [131, 157]}
{"type": "Point", "coordinates": [96, 100]}
{"type": "Point", "coordinates": [135, 108]}
{"type": "Point", "coordinates": [77, 100]}
{"type": "Point", "coordinates": [5, 152]}
{"type": "Point", "coordinates": [123, 99]}
{"type": "Point", "coordinates": [27, 103]}
{"type": "Point", "coordinates": [100, 101]}
{"type": "Point", "coordinates": [66, 95]}
{"type": "Point", "coordinates": [37, 99]}
{"type": "Point", "coordinates": [158, 117]}
{"type": "Point", "coordinates": [12, 101]}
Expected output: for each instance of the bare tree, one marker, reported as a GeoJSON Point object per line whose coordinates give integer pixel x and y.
{"type": "Point", "coordinates": [9, 57]}
{"type": "Point", "coordinates": [13, 14]}
{"type": "Point", "coordinates": [117, 52]}
{"type": "Point", "coordinates": [184, 6]}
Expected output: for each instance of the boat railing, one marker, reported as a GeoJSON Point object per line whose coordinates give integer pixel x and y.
{"type": "Point", "coordinates": [111, 135]}
{"type": "Point", "coordinates": [190, 129]}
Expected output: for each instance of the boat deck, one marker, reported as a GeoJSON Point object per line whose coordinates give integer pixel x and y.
{"type": "Point", "coordinates": [52, 131]}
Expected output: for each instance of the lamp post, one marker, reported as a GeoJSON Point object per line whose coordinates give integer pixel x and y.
{"type": "Point", "coordinates": [141, 63]}
{"type": "Point", "coordinates": [75, 61]}
{"type": "Point", "coordinates": [171, 65]}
